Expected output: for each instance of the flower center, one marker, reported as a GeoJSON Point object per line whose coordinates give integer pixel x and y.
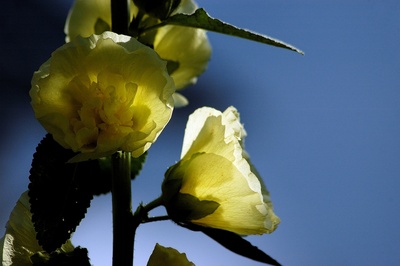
{"type": "Point", "coordinates": [104, 105]}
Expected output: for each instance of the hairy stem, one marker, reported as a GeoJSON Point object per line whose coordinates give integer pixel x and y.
{"type": "Point", "coordinates": [153, 204]}
{"type": "Point", "coordinates": [123, 231]}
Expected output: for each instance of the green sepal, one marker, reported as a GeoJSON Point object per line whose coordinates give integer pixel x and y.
{"type": "Point", "coordinates": [59, 192]}
{"type": "Point", "coordinates": [79, 256]}
{"type": "Point", "coordinates": [186, 207]}
{"type": "Point", "coordinates": [172, 66]}
{"type": "Point", "coordinates": [172, 181]}
{"type": "Point", "coordinates": [170, 188]}
{"type": "Point", "coordinates": [148, 37]}
{"type": "Point", "coordinates": [234, 243]}
{"type": "Point", "coordinates": [200, 19]}
{"type": "Point", "coordinates": [183, 206]}
{"type": "Point", "coordinates": [101, 26]}
{"type": "Point", "coordinates": [157, 8]}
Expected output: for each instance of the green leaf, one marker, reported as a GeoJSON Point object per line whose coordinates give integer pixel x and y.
{"type": "Point", "coordinates": [60, 193]}
{"type": "Point", "coordinates": [103, 180]}
{"type": "Point", "coordinates": [137, 164]}
{"type": "Point", "coordinates": [200, 19]}
{"type": "Point", "coordinates": [234, 243]}
{"type": "Point", "coordinates": [79, 256]}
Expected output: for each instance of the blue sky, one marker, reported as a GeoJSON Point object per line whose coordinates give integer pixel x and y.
{"type": "Point", "coordinates": [323, 129]}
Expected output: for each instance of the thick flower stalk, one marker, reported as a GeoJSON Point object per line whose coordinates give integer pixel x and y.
{"type": "Point", "coordinates": [103, 93]}
{"type": "Point", "coordinates": [19, 243]}
{"type": "Point", "coordinates": [189, 47]}
{"type": "Point", "coordinates": [214, 184]}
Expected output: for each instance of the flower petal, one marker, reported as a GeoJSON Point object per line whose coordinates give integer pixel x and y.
{"type": "Point", "coordinates": [85, 16]}
{"type": "Point", "coordinates": [19, 242]}
{"type": "Point", "coordinates": [168, 257]}
{"type": "Point", "coordinates": [215, 167]}
{"type": "Point", "coordinates": [103, 93]}
{"type": "Point", "coordinates": [189, 47]}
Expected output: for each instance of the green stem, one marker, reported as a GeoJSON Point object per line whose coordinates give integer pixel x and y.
{"type": "Point", "coordinates": [135, 24]}
{"type": "Point", "coordinates": [154, 27]}
{"type": "Point", "coordinates": [141, 214]}
{"type": "Point", "coordinates": [156, 219]}
{"type": "Point", "coordinates": [123, 232]}
{"type": "Point", "coordinates": [153, 204]}
{"type": "Point", "coordinates": [120, 16]}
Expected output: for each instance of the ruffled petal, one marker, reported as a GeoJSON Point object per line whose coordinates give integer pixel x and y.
{"type": "Point", "coordinates": [189, 47]}
{"type": "Point", "coordinates": [104, 93]}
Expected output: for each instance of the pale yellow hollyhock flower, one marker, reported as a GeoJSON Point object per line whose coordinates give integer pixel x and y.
{"type": "Point", "coordinates": [168, 257]}
{"type": "Point", "coordinates": [104, 93]}
{"type": "Point", "coordinates": [88, 17]}
{"type": "Point", "coordinates": [215, 168]}
{"type": "Point", "coordinates": [19, 242]}
{"type": "Point", "coordinates": [188, 46]}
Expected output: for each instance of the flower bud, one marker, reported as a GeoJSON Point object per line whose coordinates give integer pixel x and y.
{"type": "Point", "coordinates": [215, 174]}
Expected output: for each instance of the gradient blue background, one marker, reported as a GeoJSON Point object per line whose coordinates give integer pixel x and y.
{"type": "Point", "coordinates": [323, 129]}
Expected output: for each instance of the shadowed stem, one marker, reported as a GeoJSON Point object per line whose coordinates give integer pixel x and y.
{"type": "Point", "coordinates": [156, 219]}
{"type": "Point", "coordinates": [153, 204]}
{"type": "Point", "coordinates": [123, 231]}
{"type": "Point", "coordinates": [120, 16]}
{"type": "Point", "coordinates": [141, 214]}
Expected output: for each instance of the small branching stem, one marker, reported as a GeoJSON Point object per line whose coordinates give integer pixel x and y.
{"type": "Point", "coordinates": [153, 204]}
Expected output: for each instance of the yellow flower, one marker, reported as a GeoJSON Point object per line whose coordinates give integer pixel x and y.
{"type": "Point", "coordinates": [88, 17]}
{"type": "Point", "coordinates": [214, 184]}
{"type": "Point", "coordinates": [104, 93]}
{"type": "Point", "coordinates": [19, 242]}
{"type": "Point", "coordinates": [168, 257]}
{"type": "Point", "coordinates": [187, 46]}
